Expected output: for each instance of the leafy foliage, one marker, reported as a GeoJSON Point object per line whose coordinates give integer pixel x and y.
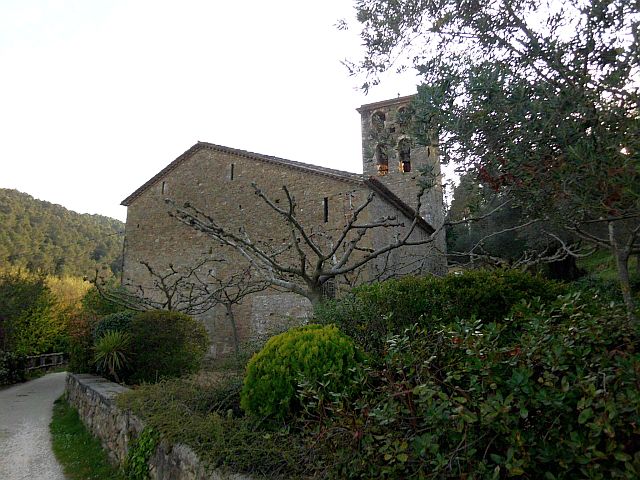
{"type": "Point", "coordinates": [81, 343]}
{"type": "Point", "coordinates": [11, 368]}
{"type": "Point", "coordinates": [369, 314]}
{"type": "Point", "coordinates": [312, 353]}
{"type": "Point", "coordinates": [538, 99]}
{"type": "Point", "coordinates": [95, 304]}
{"type": "Point", "coordinates": [547, 390]}
{"type": "Point", "coordinates": [166, 344]}
{"type": "Point", "coordinates": [202, 411]}
{"type": "Point", "coordinates": [112, 353]}
{"type": "Point", "coordinates": [140, 451]}
{"type": "Point", "coordinates": [28, 325]}
{"type": "Point", "coordinates": [115, 322]}
{"type": "Point", "coordinates": [50, 239]}
{"type": "Point", "coordinates": [550, 393]}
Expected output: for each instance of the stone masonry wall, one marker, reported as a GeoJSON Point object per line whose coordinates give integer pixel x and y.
{"type": "Point", "coordinates": [94, 398]}
{"type": "Point", "coordinates": [385, 125]}
{"type": "Point", "coordinates": [205, 180]}
{"type": "Point", "coordinates": [219, 182]}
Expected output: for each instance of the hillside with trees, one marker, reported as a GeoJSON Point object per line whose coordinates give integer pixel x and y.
{"type": "Point", "coordinates": [46, 238]}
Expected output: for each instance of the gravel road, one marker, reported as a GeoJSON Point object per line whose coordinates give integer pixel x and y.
{"type": "Point", "coordinates": [25, 443]}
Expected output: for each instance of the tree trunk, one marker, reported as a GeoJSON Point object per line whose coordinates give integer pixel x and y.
{"type": "Point", "coordinates": [315, 296]}
{"type": "Point", "coordinates": [234, 327]}
{"type": "Point", "coordinates": [621, 255]}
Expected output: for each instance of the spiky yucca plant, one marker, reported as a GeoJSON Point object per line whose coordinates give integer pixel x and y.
{"type": "Point", "coordinates": [112, 354]}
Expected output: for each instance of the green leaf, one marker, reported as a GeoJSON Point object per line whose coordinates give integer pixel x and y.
{"type": "Point", "coordinates": [585, 415]}
{"type": "Point", "coordinates": [621, 456]}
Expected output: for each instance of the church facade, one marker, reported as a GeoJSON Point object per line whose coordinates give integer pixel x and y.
{"type": "Point", "coordinates": [220, 181]}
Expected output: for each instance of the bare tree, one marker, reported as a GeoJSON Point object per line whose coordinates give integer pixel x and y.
{"type": "Point", "coordinates": [192, 290]}
{"type": "Point", "coordinates": [307, 260]}
{"type": "Point", "coordinates": [232, 290]}
{"type": "Point", "coordinates": [172, 288]}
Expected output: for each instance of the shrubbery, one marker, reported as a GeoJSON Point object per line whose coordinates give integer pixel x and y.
{"type": "Point", "coordinates": [112, 354]}
{"type": "Point", "coordinates": [545, 388]}
{"type": "Point", "coordinates": [115, 322]}
{"type": "Point", "coordinates": [165, 344]}
{"type": "Point", "coordinates": [555, 398]}
{"type": "Point", "coordinates": [370, 313]}
{"type": "Point", "coordinates": [11, 368]}
{"type": "Point", "coordinates": [311, 354]}
{"type": "Point", "coordinates": [27, 325]}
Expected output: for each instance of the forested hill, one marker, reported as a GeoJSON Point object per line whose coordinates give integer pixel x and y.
{"type": "Point", "coordinates": [48, 238]}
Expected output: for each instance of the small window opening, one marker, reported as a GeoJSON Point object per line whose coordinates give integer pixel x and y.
{"type": "Point", "coordinates": [164, 187]}
{"type": "Point", "coordinates": [325, 206]}
{"type": "Point", "coordinates": [329, 289]}
{"type": "Point", "coordinates": [233, 165]}
{"type": "Point", "coordinates": [382, 159]}
{"type": "Point", "coordinates": [377, 121]}
{"type": "Point", "coordinates": [404, 155]}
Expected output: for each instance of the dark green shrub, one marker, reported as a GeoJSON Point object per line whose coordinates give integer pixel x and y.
{"type": "Point", "coordinates": [308, 354]}
{"type": "Point", "coordinates": [80, 330]}
{"type": "Point", "coordinates": [12, 368]}
{"type": "Point", "coordinates": [165, 344]}
{"type": "Point", "coordinates": [370, 313]}
{"type": "Point", "coordinates": [557, 398]}
{"type": "Point", "coordinates": [115, 322]}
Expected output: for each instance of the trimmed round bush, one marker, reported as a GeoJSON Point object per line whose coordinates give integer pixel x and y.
{"type": "Point", "coordinates": [116, 322]}
{"type": "Point", "coordinates": [165, 344]}
{"type": "Point", "coordinates": [311, 354]}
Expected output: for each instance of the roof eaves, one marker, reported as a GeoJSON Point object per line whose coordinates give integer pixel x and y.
{"type": "Point", "coordinates": [379, 188]}
{"type": "Point", "coordinates": [385, 103]}
{"type": "Point", "coordinates": [349, 177]}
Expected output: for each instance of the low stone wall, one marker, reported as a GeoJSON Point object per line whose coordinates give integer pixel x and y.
{"type": "Point", "coordinates": [94, 398]}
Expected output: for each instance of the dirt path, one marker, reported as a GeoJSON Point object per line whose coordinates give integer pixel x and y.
{"type": "Point", "coordinates": [25, 443]}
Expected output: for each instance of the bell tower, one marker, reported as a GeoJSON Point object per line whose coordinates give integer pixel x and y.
{"type": "Point", "coordinates": [392, 156]}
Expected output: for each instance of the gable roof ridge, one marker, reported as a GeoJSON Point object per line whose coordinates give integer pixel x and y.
{"type": "Point", "coordinates": [378, 187]}
{"type": "Point", "coordinates": [306, 167]}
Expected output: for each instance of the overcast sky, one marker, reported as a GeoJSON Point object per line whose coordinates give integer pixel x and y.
{"type": "Point", "coordinates": [97, 96]}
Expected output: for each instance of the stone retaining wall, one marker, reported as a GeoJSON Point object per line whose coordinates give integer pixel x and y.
{"type": "Point", "coordinates": [94, 398]}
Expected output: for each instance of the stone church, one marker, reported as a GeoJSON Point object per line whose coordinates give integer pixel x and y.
{"type": "Point", "coordinates": [219, 181]}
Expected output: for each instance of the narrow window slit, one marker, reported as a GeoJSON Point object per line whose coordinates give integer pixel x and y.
{"type": "Point", "coordinates": [233, 165]}
{"type": "Point", "coordinates": [325, 205]}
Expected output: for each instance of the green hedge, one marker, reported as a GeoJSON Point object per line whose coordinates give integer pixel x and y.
{"type": "Point", "coordinates": [370, 313]}
{"type": "Point", "coordinates": [165, 344]}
